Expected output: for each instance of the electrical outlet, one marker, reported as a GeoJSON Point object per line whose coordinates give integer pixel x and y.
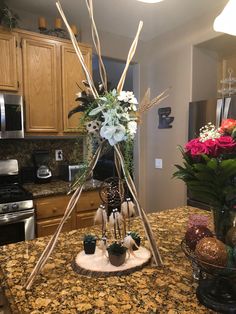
{"type": "Point", "coordinates": [158, 163]}
{"type": "Point", "coordinates": [58, 155]}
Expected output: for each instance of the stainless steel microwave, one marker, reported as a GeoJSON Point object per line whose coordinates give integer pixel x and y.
{"type": "Point", "coordinates": [11, 116]}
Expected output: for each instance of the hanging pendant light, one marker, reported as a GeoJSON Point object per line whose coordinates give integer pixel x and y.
{"type": "Point", "coordinates": [226, 21]}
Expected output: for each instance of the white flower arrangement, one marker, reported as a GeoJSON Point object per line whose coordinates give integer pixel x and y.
{"type": "Point", "coordinates": [117, 113]}
{"type": "Point", "coordinates": [208, 132]}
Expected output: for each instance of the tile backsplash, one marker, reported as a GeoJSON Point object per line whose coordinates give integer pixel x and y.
{"type": "Point", "coordinates": [22, 149]}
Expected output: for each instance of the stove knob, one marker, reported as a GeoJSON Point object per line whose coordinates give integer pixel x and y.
{"type": "Point", "coordinates": [15, 206]}
{"type": "Point", "coordinates": [5, 208]}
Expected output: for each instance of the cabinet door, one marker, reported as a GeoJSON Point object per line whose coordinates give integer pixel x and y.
{"type": "Point", "coordinates": [41, 75]}
{"type": "Point", "coordinates": [86, 208]}
{"type": "Point", "coordinates": [50, 207]}
{"type": "Point", "coordinates": [72, 74]}
{"type": "Point", "coordinates": [8, 64]}
{"type": "Point", "coordinates": [88, 200]}
{"type": "Point", "coordinates": [47, 227]}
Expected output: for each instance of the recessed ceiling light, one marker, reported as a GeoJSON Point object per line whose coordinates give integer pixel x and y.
{"type": "Point", "coordinates": [225, 22]}
{"type": "Point", "coordinates": [150, 1]}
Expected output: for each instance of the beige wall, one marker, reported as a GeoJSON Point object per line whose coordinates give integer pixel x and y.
{"type": "Point", "coordinates": [170, 63]}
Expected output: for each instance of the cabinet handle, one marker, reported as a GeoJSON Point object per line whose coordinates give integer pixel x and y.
{"type": "Point", "coordinates": [54, 210]}
{"type": "Point", "coordinates": [91, 203]}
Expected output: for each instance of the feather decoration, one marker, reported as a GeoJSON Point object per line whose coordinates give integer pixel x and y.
{"type": "Point", "coordinates": [101, 218]}
{"type": "Point", "coordinates": [127, 208]}
{"type": "Point", "coordinates": [102, 245]}
{"type": "Point", "coordinates": [99, 215]}
{"type": "Point", "coordinates": [120, 221]}
{"type": "Point", "coordinates": [129, 243]}
{"type": "Point", "coordinates": [104, 213]}
{"type": "Point", "coordinates": [112, 222]}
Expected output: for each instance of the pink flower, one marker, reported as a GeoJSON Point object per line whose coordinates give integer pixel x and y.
{"type": "Point", "coordinates": [226, 144]}
{"type": "Point", "coordinates": [196, 148]}
{"type": "Point", "coordinates": [212, 147]}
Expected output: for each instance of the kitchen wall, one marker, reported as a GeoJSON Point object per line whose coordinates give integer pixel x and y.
{"type": "Point", "coordinates": [191, 73]}
{"type": "Point", "coordinates": [22, 149]}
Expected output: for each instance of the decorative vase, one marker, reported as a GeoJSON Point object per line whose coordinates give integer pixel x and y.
{"type": "Point", "coordinates": [117, 260]}
{"type": "Point", "coordinates": [89, 247]}
{"type": "Point", "coordinates": [224, 218]}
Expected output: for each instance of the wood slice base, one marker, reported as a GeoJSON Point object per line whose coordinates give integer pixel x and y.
{"type": "Point", "coordinates": [98, 265]}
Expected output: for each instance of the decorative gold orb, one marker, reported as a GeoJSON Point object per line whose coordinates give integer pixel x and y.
{"type": "Point", "coordinates": [211, 251]}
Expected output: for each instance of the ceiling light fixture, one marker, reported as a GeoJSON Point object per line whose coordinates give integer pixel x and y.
{"type": "Point", "coordinates": [150, 1]}
{"type": "Point", "coordinates": [226, 21]}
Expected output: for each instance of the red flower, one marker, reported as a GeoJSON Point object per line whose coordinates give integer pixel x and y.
{"type": "Point", "coordinates": [212, 147]}
{"type": "Point", "coordinates": [196, 148]}
{"type": "Point", "coordinates": [226, 144]}
{"type": "Point", "coordinates": [227, 126]}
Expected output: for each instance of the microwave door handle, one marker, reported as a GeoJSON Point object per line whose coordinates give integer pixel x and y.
{"type": "Point", "coordinates": [3, 114]}
{"type": "Point", "coordinates": [14, 218]}
{"type": "Point", "coordinates": [226, 108]}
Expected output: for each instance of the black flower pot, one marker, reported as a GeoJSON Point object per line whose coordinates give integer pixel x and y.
{"type": "Point", "coordinates": [137, 241]}
{"type": "Point", "coordinates": [89, 247]}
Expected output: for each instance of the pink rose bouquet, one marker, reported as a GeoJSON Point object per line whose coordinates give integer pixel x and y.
{"type": "Point", "coordinates": [209, 170]}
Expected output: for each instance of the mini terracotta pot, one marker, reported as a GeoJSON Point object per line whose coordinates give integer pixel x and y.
{"type": "Point", "coordinates": [117, 260]}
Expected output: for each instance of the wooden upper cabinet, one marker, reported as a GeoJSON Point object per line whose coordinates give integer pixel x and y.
{"type": "Point", "coordinates": [46, 71]}
{"type": "Point", "coordinates": [72, 74]}
{"type": "Point", "coordinates": [8, 62]}
{"type": "Point", "coordinates": [40, 74]}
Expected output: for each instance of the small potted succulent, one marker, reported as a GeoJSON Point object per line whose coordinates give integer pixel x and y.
{"type": "Point", "coordinates": [116, 254]}
{"type": "Point", "coordinates": [89, 244]}
{"type": "Point", "coordinates": [136, 238]}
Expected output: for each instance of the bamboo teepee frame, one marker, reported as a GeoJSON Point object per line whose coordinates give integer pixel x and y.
{"type": "Point", "coordinates": [119, 159]}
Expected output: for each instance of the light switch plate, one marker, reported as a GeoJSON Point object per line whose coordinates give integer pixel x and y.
{"type": "Point", "coordinates": [58, 155]}
{"type": "Point", "coordinates": [158, 163]}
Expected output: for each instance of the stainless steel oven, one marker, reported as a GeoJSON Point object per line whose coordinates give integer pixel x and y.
{"type": "Point", "coordinates": [17, 226]}
{"type": "Point", "coordinates": [17, 213]}
{"type": "Point", "coordinates": [11, 116]}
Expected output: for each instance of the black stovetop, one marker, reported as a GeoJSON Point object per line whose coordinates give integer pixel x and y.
{"type": "Point", "coordinates": [12, 191]}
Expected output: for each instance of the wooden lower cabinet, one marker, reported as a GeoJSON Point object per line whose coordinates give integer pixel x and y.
{"type": "Point", "coordinates": [85, 218]}
{"type": "Point", "coordinates": [49, 226]}
{"type": "Point", "coordinates": [50, 210]}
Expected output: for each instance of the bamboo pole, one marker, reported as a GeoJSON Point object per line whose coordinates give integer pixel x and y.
{"type": "Point", "coordinates": [96, 41]}
{"type": "Point", "coordinates": [142, 214]}
{"type": "Point", "coordinates": [129, 58]}
{"type": "Point", "coordinates": [78, 52]}
{"type": "Point", "coordinates": [71, 205]}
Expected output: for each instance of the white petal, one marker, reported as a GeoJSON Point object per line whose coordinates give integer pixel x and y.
{"type": "Point", "coordinates": [107, 131]}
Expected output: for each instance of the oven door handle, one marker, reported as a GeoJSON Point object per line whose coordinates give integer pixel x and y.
{"type": "Point", "coordinates": [3, 114]}
{"type": "Point", "coordinates": [6, 219]}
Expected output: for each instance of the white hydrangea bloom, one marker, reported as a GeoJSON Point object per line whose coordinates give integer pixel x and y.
{"type": "Point", "coordinates": [132, 127]}
{"type": "Point", "coordinates": [123, 96]}
{"type": "Point", "coordinates": [113, 133]}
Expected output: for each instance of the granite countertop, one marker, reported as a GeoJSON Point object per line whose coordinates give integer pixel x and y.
{"type": "Point", "coordinates": [57, 187]}
{"type": "Point", "coordinates": [58, 289]}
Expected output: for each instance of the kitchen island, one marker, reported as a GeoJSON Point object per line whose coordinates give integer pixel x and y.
{"type": "Point", "coordinates": [58, 289]}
